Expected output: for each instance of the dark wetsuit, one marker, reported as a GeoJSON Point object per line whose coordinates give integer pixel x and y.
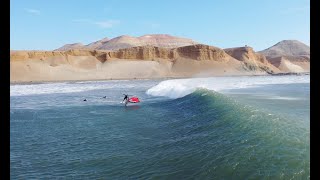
{"type": "Point", "coordinates": [125, 97]}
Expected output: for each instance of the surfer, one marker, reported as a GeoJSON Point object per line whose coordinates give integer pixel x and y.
{"type": "Point", "coordinates": [131, 100]}
{"type": "Point", "coordinates": [126, 99]}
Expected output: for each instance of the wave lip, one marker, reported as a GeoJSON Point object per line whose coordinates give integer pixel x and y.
{"type": "Point", "coordinates": [172, 89]}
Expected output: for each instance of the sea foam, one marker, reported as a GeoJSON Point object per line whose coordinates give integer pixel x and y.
{"type": "Point", "coordinates": [66, 87]}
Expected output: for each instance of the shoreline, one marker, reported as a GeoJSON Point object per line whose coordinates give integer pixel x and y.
{"type": "Point", "coordinates": [81, 80]}
{"type": "Point", "coordinates": [157, 78]}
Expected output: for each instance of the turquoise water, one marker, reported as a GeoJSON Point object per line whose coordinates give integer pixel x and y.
{"type": "Point", "coordinates": [207, 128]}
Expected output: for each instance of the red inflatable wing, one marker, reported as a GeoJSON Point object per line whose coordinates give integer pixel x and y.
{"type": "Point", "coordinates": [134, 100]}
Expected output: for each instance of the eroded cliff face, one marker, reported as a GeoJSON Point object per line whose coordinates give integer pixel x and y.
{"type": "Point", "coordinates": [142, 53]}
{"type": "Point", "coordinates": [135, 62]}
{"type": "Point", "coordinates": [245, 53]}
{"type": "Point", "coordinates": [63, 55]}
{"type": "Point", "coordinates": [194, 52]}
{"type": "Point", "coordinates": [202, 52]}
{"type": "Point", "coordinates": [251, 59]}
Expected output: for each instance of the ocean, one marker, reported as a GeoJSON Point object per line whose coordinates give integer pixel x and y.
{"type": "Point", "coordinates": [248, 127]}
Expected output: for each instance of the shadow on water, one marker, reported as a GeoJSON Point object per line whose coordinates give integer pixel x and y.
{"type": "Point", "coordinates": [132, 107]}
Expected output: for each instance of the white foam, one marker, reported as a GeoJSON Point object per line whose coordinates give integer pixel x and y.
{"type": "Point", "coordinates": [284, 98]}
{"type": "Point", "coordinates": [30, 89]}
{"type": "Point", "coordinates": [50, 88]}
{"type": "Point", "coordinates": [180, 87]}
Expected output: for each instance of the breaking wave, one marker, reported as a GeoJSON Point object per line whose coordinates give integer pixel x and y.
{"type": "Point", "coordinates": [180, 87]}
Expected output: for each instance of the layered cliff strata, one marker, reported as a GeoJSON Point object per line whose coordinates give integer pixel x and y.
{"type": "Point", "coordinates": [136, 62]}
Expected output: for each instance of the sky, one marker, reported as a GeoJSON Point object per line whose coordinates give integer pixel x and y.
{"type": "Point", "coordinates": [48, 25]}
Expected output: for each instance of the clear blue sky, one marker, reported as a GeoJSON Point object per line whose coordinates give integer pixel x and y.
{"type": "Point", "coordinates": [47, 24]}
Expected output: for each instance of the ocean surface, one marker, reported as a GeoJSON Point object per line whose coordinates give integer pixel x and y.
{"type": "Point", "coordinates": [202, 128]}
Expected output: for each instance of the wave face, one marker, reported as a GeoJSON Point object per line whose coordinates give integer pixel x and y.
{"type": "Point", "coordinates": [181, 87]}
{"type": "Point", "coordinates": [237, 141]}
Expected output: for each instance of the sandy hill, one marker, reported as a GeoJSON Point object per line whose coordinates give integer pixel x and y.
{"type": "Point", "coordinates": [287, 48]}
{"type": "Point", "coordinates": [72, 46]}
{"type": "Point", "coordinates": [289, 56]}
{"type": "Point", "coordinates": [121, 42]}
{"type": "Point", "coordinates": [295, 64]}
{"type": "Point", "coordinates": [97, 44]}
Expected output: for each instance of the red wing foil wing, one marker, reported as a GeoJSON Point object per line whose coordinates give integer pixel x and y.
{"type": "Point", "coordinates": [134, 100]}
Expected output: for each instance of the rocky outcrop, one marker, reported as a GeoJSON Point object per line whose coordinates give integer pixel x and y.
{"type": "Point", "coordinates": [252, 60]}
{"type": "Point", "coordinates": [202, 52]}
{"type": "Point", "coordinates": [194, 52]}
{"type": "Point", "coordinates": [246, 54]}
{"type": "Point", "coordinates": [142, 53]}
